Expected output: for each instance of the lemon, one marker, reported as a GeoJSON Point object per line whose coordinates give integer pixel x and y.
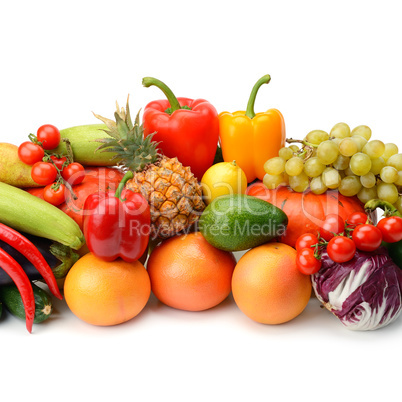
{"type": "Point", "coordinates": [224, 178]}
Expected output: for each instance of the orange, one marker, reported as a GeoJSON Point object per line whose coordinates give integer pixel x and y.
{"type": "Point", "coordinates": [187, 273]}
{"type": "Point", "coordinates": [106, 293]}
{"type": "Point", "coordinates": [268, 287]}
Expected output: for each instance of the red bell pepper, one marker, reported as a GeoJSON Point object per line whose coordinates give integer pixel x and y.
{"type": "Point", "coordinates": [186, 128]}
{"type": "Point", "coordinates": [117, 224]}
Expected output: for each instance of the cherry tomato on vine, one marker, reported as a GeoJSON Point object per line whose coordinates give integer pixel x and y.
{"type": "Point", "coordinates": [341, 249]}
{"type": "Point", "coordinates": [333, 223]}
{"type": "Point", "coordinates": [43, 173]}
{"type": "Point", "coordinates": [367, 237]}
{"type": "Point", "coordinates": [356, 218]}
{"type": "Point", "coordinates": [58, 161]}
{"type": "Point", "coordinates": [30, 153]}
{"type": "Point", "coordinates": [55, 196]}
{"type": "Point", "coordinates": [306, 240]}
{"type": "Point", "coordinates": [391, 228]}
{"type": "Point", "coordinates": [49, 136]}
{"type": "Point", "coordinates": [306, 261]}
{"type": "Point", "coordinates": [74, 173]}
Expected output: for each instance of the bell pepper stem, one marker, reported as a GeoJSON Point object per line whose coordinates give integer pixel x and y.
{"type": "Point", "coordinates": [174, 103]}
{"type": "Point", "coordinates": [129, 175]}
{"type": "Point", "coordinates": [387, 207]}
{"type": "Point", "coordinates": [250, 105]}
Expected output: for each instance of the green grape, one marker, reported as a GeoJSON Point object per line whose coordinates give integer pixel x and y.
{"type": "Point", "coordinates": [398, 204]}
{"type": "Point", "coordinates": [331, 178]}
{"type": "Point", "coordinates": [350, 186]}
{"type": "Point", "coordinates": [390, 149]}
{"type": "Point", "coordinates": [313, 167]}
{"type": "Point", "coordinates": [360, 164]}
{"type": "Point", "coordinates": [368, 180]}
{"type": "Point", "coordinates": [360, 142]}
{"type": "Point", "coordinates": [395, 161]}
{"type": "Point", "coordinates": [317, 186]}
{"type": "Point", "coordinates": [367, 194]}
{"type": "Point", "coordinates": [274, 181]}
{"type": "Point", "coordinates": [336, 141]}
{"type": "Point", "coordinates": [294, 166]}
{"type": "Point", "coordinates": [398, 181]}
{"type": "Point", "coordinates": [327, 152]}
{"type": "Point", "coordinates": [389, 174]}
{"type": "Point", "coordinates": [341, 163]}
{"type": "Point", "coordinates": [348, 171]}
{"type": "Point", "coordinates": [275, 166]}
{"type": "Point", "coordinates": [347, 147]}
{"type": "Point", "coordinates": [376, 165]}
{"type": "Point", "coordinates": [317, 137]}
{"type": "Point", "coordinates": [294, 147]}
{"type": "Point", "coordinates": [363, 131]}
{"type": "Point", "coordinates": [285, 153]}
{"type": "Point", "coordinates": [340, 130]}
{"type": "Point", "coordinates": [374, 149]}
{"type": "Point", "coordinates": [299, 183]}
{"type": "Point", "coordinates": [387, 192]}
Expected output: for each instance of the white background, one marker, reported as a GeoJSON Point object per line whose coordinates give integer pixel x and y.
{"type": "Point", "coordinates": [329, 62]}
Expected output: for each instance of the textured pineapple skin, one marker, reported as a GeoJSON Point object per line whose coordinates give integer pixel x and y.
{"type": "Point", "coordinates": [173, 194]}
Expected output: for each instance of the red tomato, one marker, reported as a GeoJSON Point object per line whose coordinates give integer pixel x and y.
{"type": "Point", "coordinates": [96, 179]}
{"type": "Point", "coordinates": [391, 228]}
{"type": "Point", "coordinates": [49, 136]}
{"type": "Point", "coordinates": [341, 249]}
{"type": "Point", "coordinates": [367, 237]}
{"type": "Point", "coordinates": [74, 173]}
{"type": "Point", "coordinates": [306, 261]}
{"type": "Point", "coordinates": [357, 218]}
{"type": "Point", "coordinates": [54, 196]}
{"type": "Point", "coordinates": [43, 173]}
{"type": "Point", "coordinates": [58, 161]}
{"type": "Point", "coordinates": [333, 224]}
{"type": "Point", "coordinates": [30, 153]}
{"type": "Point", "coordinates": [306, 240]}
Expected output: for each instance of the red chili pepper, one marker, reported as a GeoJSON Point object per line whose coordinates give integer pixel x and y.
{"type": "Point", "coordinates": [32, 254]}
{"type": "Point", "coordinates": [187, 129]}
{"type": "Point", "coordinates": [20, 278]}
{"type": "Point", "coordinates": [115, 227]}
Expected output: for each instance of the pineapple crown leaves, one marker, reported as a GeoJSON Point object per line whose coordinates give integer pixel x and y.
{"type": "Point", "coordinates": [132, 149]}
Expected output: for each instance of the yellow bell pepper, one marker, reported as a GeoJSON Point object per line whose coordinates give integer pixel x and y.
{"type": "Point", "coordinates": [251, 139]}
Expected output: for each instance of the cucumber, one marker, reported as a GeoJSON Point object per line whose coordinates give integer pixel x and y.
{"type": "Point", "coordinates": [83, 144]}
{"type": "Point", "coordinates": [26, 213]}
{"type": "Point", "coordinates": [12, 300]}
{"type": "Point", "coordinates": [240, 222]}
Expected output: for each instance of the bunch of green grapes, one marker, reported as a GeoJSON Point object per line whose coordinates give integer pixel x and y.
{"type": "Point", "coordinates": [346, 160]}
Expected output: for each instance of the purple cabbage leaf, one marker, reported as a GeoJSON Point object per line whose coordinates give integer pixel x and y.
{"type": "Point", "coordinates": [365, 293]}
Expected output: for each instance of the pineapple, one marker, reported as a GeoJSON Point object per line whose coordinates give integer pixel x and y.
{"type": "Point", "coordinates": [172, 191]}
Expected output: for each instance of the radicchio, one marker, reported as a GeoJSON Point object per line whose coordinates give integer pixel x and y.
{"type": "Point", "coordinates": [365, 293]}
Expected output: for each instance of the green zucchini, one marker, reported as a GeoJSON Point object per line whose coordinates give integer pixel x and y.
{"type": "Point", "coordinates": [27, 213]}
{"type": "Point", "coordinates": [83, 144]}
{"type": "Point", "coordinates": [12, 300]}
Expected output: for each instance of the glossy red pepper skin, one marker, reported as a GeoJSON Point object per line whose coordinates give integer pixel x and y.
{"type": "Point", "coordinates": [190, 135]}
{"type": "Point", "coordinates": [114, 228]}
{"type": "Point", "coordinates": [20, 278]}
{"type": "Point", "coordinates": [32, 254]}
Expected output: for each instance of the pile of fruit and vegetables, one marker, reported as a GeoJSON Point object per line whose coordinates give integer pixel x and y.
{"type": "Point", "coordinates": [101, 215]}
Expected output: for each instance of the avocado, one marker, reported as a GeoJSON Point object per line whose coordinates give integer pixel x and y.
{"type": "Point", "coordinates": [239, 222]}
